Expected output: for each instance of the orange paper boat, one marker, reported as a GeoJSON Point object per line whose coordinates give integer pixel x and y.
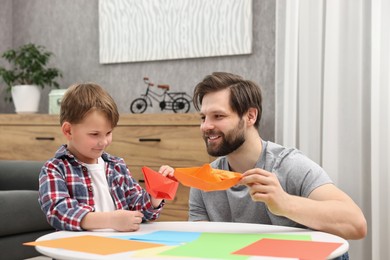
{"type": "Point", "coordinates": [159, 186]}
{"type": "Point", "coordinates": [206, 178]}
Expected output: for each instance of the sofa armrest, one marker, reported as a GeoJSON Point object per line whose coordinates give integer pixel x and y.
{"type": "Point", "coordinates": [21, 213]}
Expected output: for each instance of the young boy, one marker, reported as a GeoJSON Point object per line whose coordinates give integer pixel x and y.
{"type": "Point", "coordinates": [83, 187]}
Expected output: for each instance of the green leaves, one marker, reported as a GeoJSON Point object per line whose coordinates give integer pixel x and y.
{"type": "Point", "coordinates": [29, 66]}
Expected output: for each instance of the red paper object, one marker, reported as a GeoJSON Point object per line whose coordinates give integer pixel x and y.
{"type": "Point", "coordinates": [206, 178]}
{"type": "Point", "coordinates": [159, 186]}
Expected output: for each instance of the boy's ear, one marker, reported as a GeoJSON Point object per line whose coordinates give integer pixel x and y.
{"type": "Point", "coordinates": [67, 130]}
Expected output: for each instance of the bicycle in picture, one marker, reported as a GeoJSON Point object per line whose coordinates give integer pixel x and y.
{"type": "Point", "coordinates": [179, 102]}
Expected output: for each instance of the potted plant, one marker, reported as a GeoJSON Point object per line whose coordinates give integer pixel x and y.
{"type": "Point", "coordinates": [28, 73]}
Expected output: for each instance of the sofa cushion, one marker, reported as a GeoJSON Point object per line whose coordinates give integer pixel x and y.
{"type": "Point", "coordinates": [19, 175]}
{"type": "Point", "coordinates": [21, 213]}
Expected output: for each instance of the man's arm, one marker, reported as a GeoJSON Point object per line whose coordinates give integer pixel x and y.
{"type": "Point", "coordinates": [326, 209]}
{"type": "Point", "coordinates": [330, 210]}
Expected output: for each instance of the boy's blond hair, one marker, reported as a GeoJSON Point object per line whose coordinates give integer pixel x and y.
{"type": "Point", "coordinates": [81, 99]}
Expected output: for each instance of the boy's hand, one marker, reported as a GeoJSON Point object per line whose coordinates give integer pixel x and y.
{"type": "Point", "coordinates": [166, 170]}
{"type": "Point", "coordinates": [119, 220]}
{"type": "Point", "coordinates": [126, 220]}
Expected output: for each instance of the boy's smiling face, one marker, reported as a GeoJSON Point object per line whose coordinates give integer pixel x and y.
{"type": "Point", "coordinates": [88, 139]}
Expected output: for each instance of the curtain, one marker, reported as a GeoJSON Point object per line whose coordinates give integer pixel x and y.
{"type": "Point", "coordinates": [332, 94]}
{"type": "Point", "coordinates": [380, 128]}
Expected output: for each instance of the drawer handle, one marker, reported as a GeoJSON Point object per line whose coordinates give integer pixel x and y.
{"type": "Point", "coordinates": [149, 140]}
{"type": "Point", "coordinates": [45, 138]}
{"type": "Point", "coordinates": [141, 181]}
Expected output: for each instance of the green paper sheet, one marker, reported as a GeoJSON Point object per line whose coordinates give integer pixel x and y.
{"type": "Point", "coordinates": [222, 245]}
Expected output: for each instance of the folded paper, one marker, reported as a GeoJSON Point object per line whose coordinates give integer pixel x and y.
{"type": "Point", "coordinates": [206, 178]}
{"type": "Point", "coordinates": [159, 186]}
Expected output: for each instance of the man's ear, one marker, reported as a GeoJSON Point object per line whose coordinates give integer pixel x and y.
{"type": "Point", "coordinates": [67, 130]}
{"type": "Point", "coordinates": [252, 116]}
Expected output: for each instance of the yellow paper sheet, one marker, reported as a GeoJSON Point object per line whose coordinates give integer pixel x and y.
{"type": "Point", "coordinates": [154, 252]}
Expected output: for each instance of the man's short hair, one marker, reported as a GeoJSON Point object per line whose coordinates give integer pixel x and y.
{"type": "Point", "coordinates": [244, 94]}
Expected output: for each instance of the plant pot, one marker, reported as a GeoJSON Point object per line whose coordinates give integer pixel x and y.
{"type": "Point", "coordinates": [26, 98]}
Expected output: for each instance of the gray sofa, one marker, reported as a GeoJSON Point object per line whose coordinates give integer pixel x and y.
{"type": "Point", "coordinates": [21, 217]}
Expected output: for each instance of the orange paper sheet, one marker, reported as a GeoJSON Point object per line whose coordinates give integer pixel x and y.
{"type": "Point", "coordinates": [290, 248]}
{"type": "Point", "coordinates": [159, 186]}
{"type": "Point", "coordinates": [94, 244]}
{"type": "Point", "coordinates": [206, 178]}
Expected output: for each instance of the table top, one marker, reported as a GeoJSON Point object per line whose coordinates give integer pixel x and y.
{"type": "Point", "coordinates": [209, 227]}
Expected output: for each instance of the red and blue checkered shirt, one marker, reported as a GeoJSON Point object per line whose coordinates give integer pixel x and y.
{"type": "Point", "coordinates": [66, 193]}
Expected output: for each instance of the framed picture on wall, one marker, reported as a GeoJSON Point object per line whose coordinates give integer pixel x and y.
{"type": "Point", "coordinates": [133, 30]}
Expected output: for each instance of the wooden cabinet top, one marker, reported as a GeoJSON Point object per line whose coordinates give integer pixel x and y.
{"type": "Point", "coordinates": [190, 119]}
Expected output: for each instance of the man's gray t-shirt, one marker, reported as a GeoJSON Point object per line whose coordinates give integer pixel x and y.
{"type": "Point", "coordinates": [297, 174]}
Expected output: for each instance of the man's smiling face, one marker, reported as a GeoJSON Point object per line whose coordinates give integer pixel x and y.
{"type": "Point", "coordinates": [222, 129]}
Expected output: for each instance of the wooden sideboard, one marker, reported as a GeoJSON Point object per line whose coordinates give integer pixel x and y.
{"type": "Point", "coordinates": [141, 139]}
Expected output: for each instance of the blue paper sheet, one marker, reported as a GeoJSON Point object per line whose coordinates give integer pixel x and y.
{"type": "Point", "coordinates": [170, 238]}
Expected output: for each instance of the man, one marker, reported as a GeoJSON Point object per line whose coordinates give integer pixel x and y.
{"type": "Point", "coordinates": [279, 185]}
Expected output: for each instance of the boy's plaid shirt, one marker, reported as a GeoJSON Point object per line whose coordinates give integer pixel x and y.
{"type": "Point", "coordinates": [66, 193]}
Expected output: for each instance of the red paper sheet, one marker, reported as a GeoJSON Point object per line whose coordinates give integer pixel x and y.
{"type": "Point", "coordinates": [159, 186]}
{"type": "Point", "coordinates": [206, 178]}
{"type": "Point", "coordinates": [289, 248]}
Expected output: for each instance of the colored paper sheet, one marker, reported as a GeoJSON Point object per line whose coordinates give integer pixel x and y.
{"type": "Point", "coordinates": [152, 253]}
{"type": "Point", "coordinates": [165, 237]}
{"type": "Point", "coordinates": [291, 248]}
{"type": "Point", "coordinates": [159, 186]}
{"type": "Point", "coordinates": [206, 178]}
{"type": "Point", "coordinates": [221, 245]}
{"type": "Point", "coordinates": [94, 244]}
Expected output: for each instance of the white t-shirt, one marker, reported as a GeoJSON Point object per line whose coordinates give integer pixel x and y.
{"type": "Point", "coordinates": [101, 192]}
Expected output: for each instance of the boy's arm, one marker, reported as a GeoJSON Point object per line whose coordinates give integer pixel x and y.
{"type": "Point", "coordinates": [134, 197]}
{"type": "Point", "coordinates": [156, 202]}
{"type": "Point", "coordinates": [119, 220]}
{"type": "Point", "coordinates": [62, 211]}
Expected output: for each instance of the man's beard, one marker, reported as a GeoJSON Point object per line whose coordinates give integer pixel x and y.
{"type": "Point", "coordinates": [230, 142]}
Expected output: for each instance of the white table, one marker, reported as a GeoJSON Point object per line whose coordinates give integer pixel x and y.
{"type": "Point", "coordinates": [218, 227]}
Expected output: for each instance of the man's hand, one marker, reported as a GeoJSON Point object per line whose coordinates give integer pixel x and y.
{"type": "Point", "coordinates": [264, 186]}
